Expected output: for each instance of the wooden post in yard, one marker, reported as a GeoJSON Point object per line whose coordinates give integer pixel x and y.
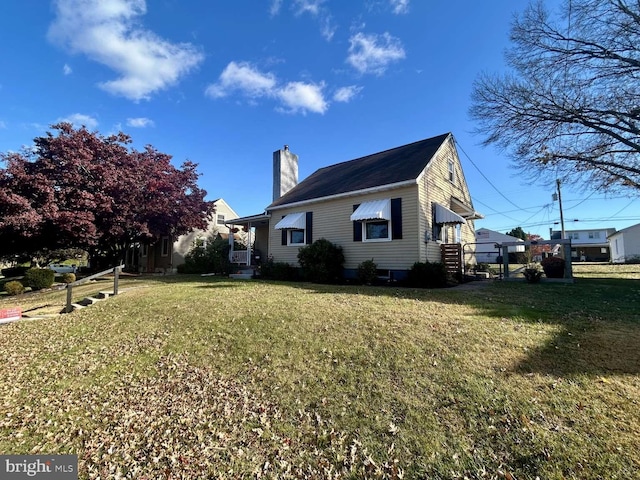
{"type": "Point", "coordinates": [116, 275]}
{"type": "Point", "coordinates": [68, 308]}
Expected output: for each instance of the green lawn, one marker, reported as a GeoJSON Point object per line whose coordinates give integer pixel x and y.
{"type": "Point", "coordinates": [193, 377]}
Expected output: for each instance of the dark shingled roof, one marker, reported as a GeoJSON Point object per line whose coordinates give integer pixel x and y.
{"type": "Point", "coordinates": [391, 166]}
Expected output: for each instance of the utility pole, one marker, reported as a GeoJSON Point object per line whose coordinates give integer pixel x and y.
{"type": "Point", "coordinates": [562, 235]}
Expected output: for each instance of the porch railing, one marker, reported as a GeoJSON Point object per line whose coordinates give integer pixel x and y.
{"type": "Point", "coordinates": [239, 256]}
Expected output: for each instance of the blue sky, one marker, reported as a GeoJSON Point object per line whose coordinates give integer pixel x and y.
{"type": "Point", "coordinates": [225, 83]}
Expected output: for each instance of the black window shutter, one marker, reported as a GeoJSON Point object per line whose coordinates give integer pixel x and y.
{"type": "Point", "coordinates": [309, 229]}
{"type": "Point", "coordinates": [396, 218]}
{"type": "Point", "coordinates": [357, 228]}
{"type": "Point", "coordinates": [284, 235]}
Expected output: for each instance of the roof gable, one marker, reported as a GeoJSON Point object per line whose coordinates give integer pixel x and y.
{"type": "Point", "coordinates": [396, 165]}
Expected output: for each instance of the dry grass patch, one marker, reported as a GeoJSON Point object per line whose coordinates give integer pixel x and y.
{"type": "Point", "coordinates": [210, 378]}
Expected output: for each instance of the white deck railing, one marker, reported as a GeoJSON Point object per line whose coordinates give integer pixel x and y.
{"type": "Point", "coordinates": [239, 256]}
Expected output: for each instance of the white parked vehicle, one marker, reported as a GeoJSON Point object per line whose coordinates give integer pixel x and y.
{"type": "Point", "coordinates": [60, 268]}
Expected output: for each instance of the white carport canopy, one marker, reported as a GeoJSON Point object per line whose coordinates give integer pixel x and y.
{"type": "Point", "coordinates": [373, 210]}
{"type": "Point", "coordinates": [444, 215]}
{"type": "Point", "coordinates": [292, 221]}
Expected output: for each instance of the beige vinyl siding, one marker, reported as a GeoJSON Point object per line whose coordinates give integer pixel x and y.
{"type": "Point", "coordinates": [434, 186]}
{"type": "Point", "coordinates": [331, 220]}
{"type": "Point", "coordinates": [183, 243]}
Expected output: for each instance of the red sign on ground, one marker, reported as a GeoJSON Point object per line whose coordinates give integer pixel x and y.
{"type": "Point", "coordinates": [7, 314]}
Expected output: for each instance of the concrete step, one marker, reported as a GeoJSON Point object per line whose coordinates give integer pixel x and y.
{"type": "Point", "coordinates": [241, 276]}
{"type": "Point", "coordinates": [89, 300]}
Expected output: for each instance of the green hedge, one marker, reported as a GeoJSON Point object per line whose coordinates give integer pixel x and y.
{"type": "Point", "coordinates": [427, 275]}
{"type": "Point", "coordinates": [322, 262]}
{"type": "Point", "coordinates": [14, 271]}
{"type": "Point", "coordinates": [38, 278]}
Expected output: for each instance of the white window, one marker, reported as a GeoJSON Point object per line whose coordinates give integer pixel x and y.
{"type": "Point", "coordinates": [574, 236]}
{"type": "Point", "coordinates": [452, 172]}
{"type": "Point", "coordinates": [594, 234]}
{"type": "Point", "coordinates": [165, 247]}
{"type": "Point", "coordinates": [376, 231]}
{"type": "Point", "coordinates": [296, 236]}
{"type": "Point", "coordinates": [294, 228]}
{"type": "Point", "coordinates": [603, 250]}
{"type": "Point", "coordinates": [220, 220]}
{"type": "Point", "coordinates": [145, 249]}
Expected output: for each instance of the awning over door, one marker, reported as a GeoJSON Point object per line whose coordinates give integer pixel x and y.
{"type": "Point", "coordinates": [373, 210]}
{"type": "Point", "coordinates": [465, 211]}
{"type": "Point", "coordinates": [292, 221]}
{"type": "Point", "coordinates": [444, 215]}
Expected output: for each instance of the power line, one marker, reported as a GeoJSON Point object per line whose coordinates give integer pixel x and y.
{"type": "Point", "coordinates": [485, 177]}
{"type": "Point", "coordinates": [623, 207]}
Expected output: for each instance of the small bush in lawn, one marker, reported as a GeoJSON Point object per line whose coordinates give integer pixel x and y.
{"type": "Point", "coordinates": [532, 273]}
{"type": "Point", "coordinates": [68, 277]}
{"type": "Point", "coordinates": [39, 278]}
{"type": "Point", "coordinates": [14, 287]}
{"type": "Point", "coordinates": [367, 272]}
{"type": "Point", "coordinates": [427, 275]}
{"type": "Point", "coordinates": [321, 261]}
{"type": "Point", "coordinates": [553, 267]}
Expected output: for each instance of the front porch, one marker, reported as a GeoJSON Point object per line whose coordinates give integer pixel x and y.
{"type": "Point", "coordinates": [257, 248]}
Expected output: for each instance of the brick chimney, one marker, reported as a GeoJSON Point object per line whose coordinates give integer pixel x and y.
{"type": "Point", "coordinates": [285, 171]}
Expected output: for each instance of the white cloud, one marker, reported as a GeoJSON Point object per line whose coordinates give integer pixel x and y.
{"type": "Point", "coordinates": [140, 122]}
{"type": "Point", "coordinates": [308, 6]}
{"type": "Point", "coordinates": [373, 53]}
{"type": "Point", "coordinates": [67, 69]}
{"type": "Point", "coordinates": [247, 80]}
{"type": "Point", "coordinates": [244, 77]}
{"type": "Point", "coordinates": [345, 94]}
{"type": "Point", "coordinates": [108, 32]}
{"type": "Point", "coordinates": [327, 28]}
{"type": "Point", "coordinates": [316, 9]}
{"type": "Point", "coordinates": [300, 97]}
{"type": "Point", "coordinates": [275, 7]}
{"type": "Point", "coordinates": [80, 119]}
{"type": "Point", "coordinates": [400, 6]}
{"type": "Point", "coordinates": [3, 124]}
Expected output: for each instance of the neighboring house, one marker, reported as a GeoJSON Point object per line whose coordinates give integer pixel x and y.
{"type": "Point", "coordinates": [166, 254]}
{"type": "Point", "coordinates": [396, 207]}
{"type": "Point", "coordinates": [589, 245]}
{"type": "Point", "coordinates": [625, 244]}
{"type": "Point", "coordinates": [488, 244]}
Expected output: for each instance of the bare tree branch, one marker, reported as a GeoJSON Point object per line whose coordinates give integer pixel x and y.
{"type": "Point", "coordinates": [571, 104]}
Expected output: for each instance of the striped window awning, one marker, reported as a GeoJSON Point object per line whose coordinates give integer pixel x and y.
{"type": "Point", "coordinates": [443, 215]}
{"type": "Point", "coordinates": [373, 210]}
{"type": "Point", "coordinates": [295, 221]}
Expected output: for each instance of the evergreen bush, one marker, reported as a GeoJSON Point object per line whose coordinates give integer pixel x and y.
{"type": "Point", "coordinates": [367, 272]}
{"type": "Point", "coordinates": [427, 275]}
{"type": "Point", "coordinates": [38, 278]}
{"type": "Point", "coordinates": [212, 257]}
{"type": "Point", "coordinates": [277, 270]}
{"type": "Point", "coordinates": [321, 261]}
